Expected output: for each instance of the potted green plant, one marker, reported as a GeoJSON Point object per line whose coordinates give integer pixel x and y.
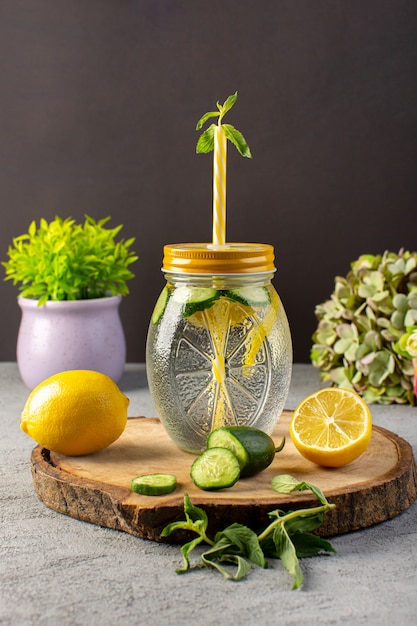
{"type": "Point", "coordinates": [71, 278]}
{"type": "Point", "coordinates": [364, 326]}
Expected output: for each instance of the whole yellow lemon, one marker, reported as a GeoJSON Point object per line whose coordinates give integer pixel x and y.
{"type": "Point", "coordinates": [75, 412]}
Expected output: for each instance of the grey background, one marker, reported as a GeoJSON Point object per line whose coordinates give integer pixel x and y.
{"type": "Point", "coordinates": [99, 100]}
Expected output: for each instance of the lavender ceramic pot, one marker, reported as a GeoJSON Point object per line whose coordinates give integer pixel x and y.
{"type": "Point", "coordinates": [66, 335]}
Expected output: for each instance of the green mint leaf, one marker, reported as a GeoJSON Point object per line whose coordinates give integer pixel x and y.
{"type": "Point", "coordinates": [237, 545]}
{"type": "Point", "coordinates": [243, 567]}
{"type": "Point", "coordinates": [167, 530]}
{"type": "Point", "coordinates": [287, 553]}
{"type": "Point", "coordinates": [307, 545]}
{"type": "Point", "coordinates": [195, 513]}
{"type": "Point", "coordinates": [213, 560]}
{"type": "Point", "coordinates": [287, 484]}
{"type": "Point", "coordinates": [237, 139]}
{"type": "Point", "coordinates": [196, 520]}
{"type": "Point", "coordinates": [304, 523]}
{"type": "Point", "coordinates": [208, 562]}
{"type": "Point", "coordinates": [205, 142]}
{"type": "Point", "coordinates": [185, 551]}
{"type": "Point", "coordinates": [286, 538]}
{"type": "Point", "coordinates": [268, 546]}
{"type": "Point", "coordinates": [221, 547]}
{"type": "Point", "coordinates": [304, 486]}
{"type": "Point", "coordinates": [284, 483]}
{"type": "Point", "coordinates": [317, 492]}
{"type": "Point", "coordinates": [277, 513]}
{"type": "Point", "coordinates": [227, 105]}
{"type": "Point", "coordinates": [247, 542]}
{"type": "Point", "coordinates": [223, 551]}
{"type": "Point", "coordinates": [302, 539]}
{"type": "Point", "coordinates": [206, 117]}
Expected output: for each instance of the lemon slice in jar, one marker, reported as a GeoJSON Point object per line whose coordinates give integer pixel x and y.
{"type": "Point", "coordinates": [227, 366]}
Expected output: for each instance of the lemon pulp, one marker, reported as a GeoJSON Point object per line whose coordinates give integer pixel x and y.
{"type": "Point", "coordinates": [331, 427]}
{"type": "Point", "coordinates": [236, 356]}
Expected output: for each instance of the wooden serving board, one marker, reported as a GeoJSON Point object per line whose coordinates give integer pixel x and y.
{"type": "Point", "coordinates": [379, 485]}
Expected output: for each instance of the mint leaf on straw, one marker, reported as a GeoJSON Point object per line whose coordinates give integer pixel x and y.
{"type": "Point", "coordinates": [206, 141]}
{"type": "Point", "coordinates": [206, 117]}
{"type": "Point", "coordinates": [227, 105]}
{"type": "Point", "coordinates": [237, 140]}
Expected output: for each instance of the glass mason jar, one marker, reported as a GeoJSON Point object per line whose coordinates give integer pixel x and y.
{"type": "Point", "coordinates": [219, 349]}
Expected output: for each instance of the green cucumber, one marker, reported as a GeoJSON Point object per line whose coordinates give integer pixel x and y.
{"type": "Point", "coordinates": [194, 299]}
{"type": "Point", "coordinates": [254, 449]}
{"type": "Point", "coordinates": [216, 468]}
{"type": "Point", "coordinates": [160, 305]}
{"type": "Point", "coordinates": [154, 484]}
{"type": "Point", "coordinates": [250, 296]}
{"type": "Point", "coordinates": [221, 438]}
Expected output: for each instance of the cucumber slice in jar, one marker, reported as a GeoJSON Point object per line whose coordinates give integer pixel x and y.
{"type": "Point", "coordinates": [194, 299]}
{"type": "Point", "coordinates": [250, 296]}
{"type": "Point", "coordinates": [254, 449]}
{"type": "Point", "coordinates": [160, 305]}
{"type": "Point", "coordinates": [216, 468]}
{"type": "Point", "coordinates": [154, 484]}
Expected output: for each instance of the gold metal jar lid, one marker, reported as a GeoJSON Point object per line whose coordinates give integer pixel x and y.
{"type": "Point", "coordinates": [232, 258]}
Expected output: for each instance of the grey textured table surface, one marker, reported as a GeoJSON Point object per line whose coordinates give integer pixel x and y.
{"type": "Point", "coordinates": [55, 570]}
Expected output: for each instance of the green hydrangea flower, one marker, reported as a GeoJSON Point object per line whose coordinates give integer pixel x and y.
{"type": "Point", "coordinates": [407, 344]}
{"type": "Point", "coordinates": [366, 338]}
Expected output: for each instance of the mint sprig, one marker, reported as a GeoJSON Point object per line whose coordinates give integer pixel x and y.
{"type": "Point", "coordinates": [237, 548]}
{"type": "Point", "coordinates": [205, 142]}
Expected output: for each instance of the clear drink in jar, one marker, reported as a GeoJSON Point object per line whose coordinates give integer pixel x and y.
{"type": "Point", "coordinates": [218, 353]}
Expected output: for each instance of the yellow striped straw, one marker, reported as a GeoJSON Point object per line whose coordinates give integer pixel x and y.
{"type": "Point", "coordinates": [219, 187]}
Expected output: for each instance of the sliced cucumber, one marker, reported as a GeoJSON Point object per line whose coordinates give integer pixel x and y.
{"type": "Point", "coordinates": [194, 299]}
{"type": "Point", "coordinates": [254, 449]}
{"type": "Point", "coordinates": [250, 296]}
{"type": "Point", "coordinates": [160, 305]}
{"type": "Point", "coordinates": [154, 484]}
{"type": "Point", "coordinates": [222, 438]}
{"type": "Point", "coordinates": [215, 468]}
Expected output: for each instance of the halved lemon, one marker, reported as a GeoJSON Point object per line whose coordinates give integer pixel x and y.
{"type": "Point", "coordinates": [331, 427]}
